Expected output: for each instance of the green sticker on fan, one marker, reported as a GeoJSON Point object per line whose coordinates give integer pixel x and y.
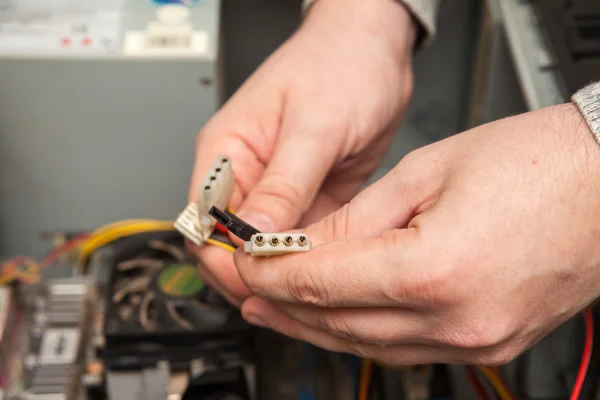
{"type": "Point", "coordinates": [180, 280]}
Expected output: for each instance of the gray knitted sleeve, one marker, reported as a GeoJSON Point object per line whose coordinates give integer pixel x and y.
{"type": "Point", "coordinates": [424, 11]}
{"type": "Point", "coordinates": [588, 102]}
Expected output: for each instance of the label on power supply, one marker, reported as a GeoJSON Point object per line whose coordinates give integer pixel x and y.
{"type": "Point", "coordinates": [171, 34]}
{"type": "Point", "coordinates": [34, 27]}
{"type": "Point", "coordinates": [59, 346]}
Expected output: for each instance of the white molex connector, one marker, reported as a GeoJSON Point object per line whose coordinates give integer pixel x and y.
{"type": "Point", "coordinates": [215, 190]}
{"type": "Point", "coordinates": [187, 224]}
{"type": "Point", "coordinates": [275, 244]}
{"type": "Point", "coordinates": [195, 223]}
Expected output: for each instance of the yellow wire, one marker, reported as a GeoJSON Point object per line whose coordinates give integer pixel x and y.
{"type": "Point", "coordinates": [118, 230]}
{"type": "Point", "coordinates": [125, 222]}
{"type": "Point", "coordinates": [6, 279]}
{"type": "Point", "coordinates": [221, 245]}
{"type": "Point", "coordinates": [496, 383]}
{"type": "Point", "coordinates": [390, 366]}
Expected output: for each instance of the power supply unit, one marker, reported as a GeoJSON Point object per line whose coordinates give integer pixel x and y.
{"type": "Point", "coordinates": [100, 105]}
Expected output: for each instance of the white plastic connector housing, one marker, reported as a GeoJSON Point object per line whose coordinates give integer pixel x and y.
{"type": "Point", "coordinates": [195, 223]}
{"type": "Point", "coordinates": [276, 244]}
{"type": "Point", "coordinates": [215, 190]}
{"type": "Point", "coordinates": [187, 224]}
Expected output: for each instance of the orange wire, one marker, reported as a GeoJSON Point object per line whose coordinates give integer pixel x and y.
{"type": "Point", "coordinates": [63, 248]}
{"type": "Point", "coordinates": [365, 379]}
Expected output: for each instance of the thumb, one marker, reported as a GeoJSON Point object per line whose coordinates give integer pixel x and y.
{"type": "Point", "coordinates": [390, 203]}
{"type": "Point", "coordinates": [289, 183]}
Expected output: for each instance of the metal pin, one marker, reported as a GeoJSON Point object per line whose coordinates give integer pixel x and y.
{"type": "Point", "coordinates": [302, 241]}
{"type": "Point", "coordinates": [259, 240]}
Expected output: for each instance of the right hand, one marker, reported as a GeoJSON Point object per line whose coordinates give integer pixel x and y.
{"type": "Point", "coordinates": [312, 123]}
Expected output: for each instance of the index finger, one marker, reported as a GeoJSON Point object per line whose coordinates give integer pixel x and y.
{"type": "Point", "coordinates": [361, 272]}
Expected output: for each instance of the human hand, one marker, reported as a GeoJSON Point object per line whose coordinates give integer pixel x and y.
{"type": "Point", "coordinates": [309, 127]}
{"type": "Point", "coordinates": [471, 250]}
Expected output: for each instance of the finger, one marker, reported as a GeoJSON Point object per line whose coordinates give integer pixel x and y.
{"type": "Point", "coordinates": [389, 203]}
{"type": "Point", "coordinates": [331, 197]}
{"type": "Point", "coordinates": [209, 147]}
{"type": "Point", "coordinates": [289, 184]}
{"type": "Point", "coordinates": [210, 280]}
{"type": "Point", "coordinates": [250, 113]}
{"type": "Point", "coordinates": [405, 354]}
{"type": "Point", "coordinates": [223, 274]}
{"type": "Point", "coordinates": [347, 180]}
{"type": "Point", "coordinates": [368, 272]}
{"type": "Point", "coordinates": [393, 325]}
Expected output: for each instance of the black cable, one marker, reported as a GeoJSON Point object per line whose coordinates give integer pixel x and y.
{"type": "Point", "coordinates": [233, 224]}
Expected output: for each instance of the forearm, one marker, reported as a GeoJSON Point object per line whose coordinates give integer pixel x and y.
{"type": "Point", "coordinates": [423, 13]}
{"type": "Point", "coordinates": [386, 20]}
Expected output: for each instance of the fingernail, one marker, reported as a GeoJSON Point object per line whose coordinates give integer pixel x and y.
{"type": "Point", "coordinates": [260, 221]}
{"type": "Point", "coordinates": [256, 320]}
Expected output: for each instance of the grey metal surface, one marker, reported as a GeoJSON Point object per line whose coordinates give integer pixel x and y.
{"type": "Point", "coordinates": [84, 142]}
{"type": "Point", "coordinates": [532, 57]}
{"type": "Point", "coordinates": [439, 104]}
{"type": "Point", "coordinates": [149, 384]}
{"type": "Point", "coordinates": [495, 87]}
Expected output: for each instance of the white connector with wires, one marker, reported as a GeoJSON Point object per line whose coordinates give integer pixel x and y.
{"type": "Point", "coordinates": [262, 244]}
{"type": "Point", "coordinates": [195, 222]}
{"type": "Point", "coordinates": [275, 244]}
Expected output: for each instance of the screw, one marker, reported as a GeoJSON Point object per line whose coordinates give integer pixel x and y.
{"type": "Point", "coordinates": [288, 241]}
{"type": "Point", "coordinates": [274, 241]}
{"type": "Point", "coordinates": [302, 241]}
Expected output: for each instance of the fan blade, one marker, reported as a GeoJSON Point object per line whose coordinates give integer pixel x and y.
{"type": "Point", "coordinates": [145, 310]}
{"type": "Point", "coordinates": [178, 318]}
{"type": "Point", "coordinates": [174, 251]}
{"type": "Point", "coordinates": [136, 285]}
{"type": "Point", "coordinates": [202, 313]}
{"type": "Point", "coordinates": [139, 263]}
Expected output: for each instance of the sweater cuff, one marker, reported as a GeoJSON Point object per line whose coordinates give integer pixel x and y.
{"type": "Point", "coordinates": [424, 12]}
{"type": "Point", "coordinates": [587, 101]}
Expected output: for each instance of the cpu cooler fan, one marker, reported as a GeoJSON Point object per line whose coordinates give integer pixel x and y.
{"type": "Point", "coordinates": [160, 289]}
{"type": "Point", "coordinates": [158, 308]}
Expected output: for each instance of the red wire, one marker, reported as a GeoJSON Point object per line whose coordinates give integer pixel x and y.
{"type": "Point", "coordinates": [477, 386]}
{"type": "Point", "coordinates": [68, 245]}
{"type": "Point", "coordinates": [221, 228]}
{"type": "Point", "coordinates": [587, 354]}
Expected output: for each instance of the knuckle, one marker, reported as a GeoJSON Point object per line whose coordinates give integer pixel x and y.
{"type": "Point", "coordinates": [496, 357]}
{"type": "Point", "coordinates": [305, 288]}
{"type": "Point", "coordinates": [408, 161]}
{"type": "Point", "coordinates": [338, 326]}
{"type": "Point", "coordinates": [434, 286]}
{"type": "Point", "coordinates": [282, 192]}
{"type": "Point", "coordinates": [478, 334]}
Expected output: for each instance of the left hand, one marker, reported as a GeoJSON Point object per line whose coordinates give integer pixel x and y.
{"type": "Point", "coordinates": [470, 251]}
